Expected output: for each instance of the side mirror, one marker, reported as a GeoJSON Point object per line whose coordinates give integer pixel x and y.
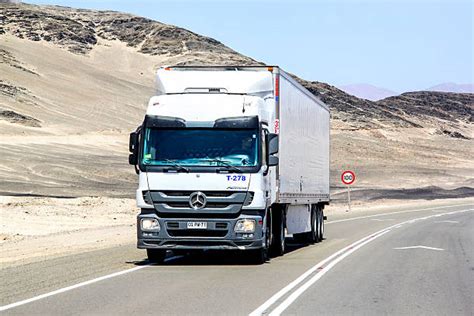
{"type": "Point", "coordinates": [133, 142]}
{"type": "Point", "coordinates": [273, 161]}
{"type": "Point", "coordinates": [272, 142]}
{"type": "Point", "coordinates": [133, 148]}
{"type": "Point", "coordinates": [133, 159]}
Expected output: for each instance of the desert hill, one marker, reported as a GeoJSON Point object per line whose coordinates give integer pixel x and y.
{"type": "Point", "coordinates": [451, 110]}
{"type": "Point", "coordinates": [74, 82]}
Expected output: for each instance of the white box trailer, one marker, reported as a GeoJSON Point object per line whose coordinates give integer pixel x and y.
{"type": "Point", "coordinates": [230, 158]}
{"type": "Point", "coordinates": [304, 144]}
{"type": "Point", "coordinates": [303, 171]}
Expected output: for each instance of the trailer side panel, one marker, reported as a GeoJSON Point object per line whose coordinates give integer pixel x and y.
{"type": "Point", "coordinates": [304, 145]}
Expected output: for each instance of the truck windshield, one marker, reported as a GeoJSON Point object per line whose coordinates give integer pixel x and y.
{"type": "Point", "coordinates": [201, 147]}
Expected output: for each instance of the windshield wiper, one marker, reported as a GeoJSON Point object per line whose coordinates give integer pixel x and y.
{"type": "Point", "coordinates": [177, 166]}
{"type": "Point", "coordinates": [224, 164]}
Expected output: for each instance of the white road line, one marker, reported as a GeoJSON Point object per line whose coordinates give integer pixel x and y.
{"type": "Point", "coordinates": [75, 286]}
{"type": "Point", "coordinates": [390, 213]}
{"type": "Point", "coordinates": [451, 222]}
{"type": "Point", "coordinates": [418, 247]}
{"type": "Point", "coordinates": [293, 284]}
{"type": "Point", "coordinates": [338, 256]}
{"type": "Point", "coordinates": [284, 305]}
{"type": "Point", "coordinates": [382, 219]}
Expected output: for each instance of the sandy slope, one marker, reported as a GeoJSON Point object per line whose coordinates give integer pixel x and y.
{"type": "Point", "coordinates": [402, 158]}
{"type": "Point", "coordinates": [68, 93]}
{"type": "Point", "coordinates": [86, 105]}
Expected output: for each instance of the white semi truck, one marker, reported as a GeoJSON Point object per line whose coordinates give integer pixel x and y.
{"type": "Point", "coordinates": [230, 158]}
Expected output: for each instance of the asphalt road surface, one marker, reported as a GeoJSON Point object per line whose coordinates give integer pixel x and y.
{"type": "Point", "coordinates": [412, 261]}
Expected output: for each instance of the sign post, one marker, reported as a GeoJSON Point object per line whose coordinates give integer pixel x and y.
{"type": "Point", "coordinates": [348, 177]}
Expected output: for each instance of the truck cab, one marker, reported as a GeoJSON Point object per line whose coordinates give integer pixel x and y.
{"type": "Point", "coordinates": [206, 157]}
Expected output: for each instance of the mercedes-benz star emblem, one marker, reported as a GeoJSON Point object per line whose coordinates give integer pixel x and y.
{"type": "Point", "coordinates": [197, 200]}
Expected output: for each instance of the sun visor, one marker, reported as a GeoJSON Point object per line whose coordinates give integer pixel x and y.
{"type": "Point", "coordinates": [242, 122]}
{"type": "Point", "coordinates": [154, 121]}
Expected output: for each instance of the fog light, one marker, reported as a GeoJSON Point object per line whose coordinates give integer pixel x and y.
{"type": "Point", "coordinates": [150, 224]}
{"type": "Point", "coordinates": [245, 226]}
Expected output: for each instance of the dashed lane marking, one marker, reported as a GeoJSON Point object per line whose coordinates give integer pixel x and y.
{"type": "Point", "coordinates": [382, 219]}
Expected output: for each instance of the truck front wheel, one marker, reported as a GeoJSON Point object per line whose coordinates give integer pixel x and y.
{"type": "Point", "coordinates": [260, 256]}
{"type": "Point", "coordinates": [156, 255]}
{"type": "Point", "coordinates": [278, 229]}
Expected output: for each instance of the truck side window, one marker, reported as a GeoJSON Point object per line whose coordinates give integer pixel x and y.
{"type": "Point", "coordinates": [264, 146]}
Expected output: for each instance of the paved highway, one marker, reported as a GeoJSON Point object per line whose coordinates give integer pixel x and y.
{"type": "Point", "coordinates": [410, 261]}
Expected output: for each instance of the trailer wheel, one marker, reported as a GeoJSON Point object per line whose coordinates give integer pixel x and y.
{"type": "Point", "coordinates": [321, 224]}
{"type": "Point", "coordinates": [156, 255]}
{"type": "Point", "coordinates": [315, 224]}
{"type": "Point", "coordinates": [278, 228]}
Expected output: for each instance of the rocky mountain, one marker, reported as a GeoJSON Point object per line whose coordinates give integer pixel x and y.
{"type": "Point", "coordinates": [447, 106]}
{"type": "Point", "coordinates": [79, 31]}
{"type": "Point", "coordinates": [74, 82]}
{"type": "Point", "coordinates": [352, 113]}
{"type": "Point", "coordinates": [367, 91]}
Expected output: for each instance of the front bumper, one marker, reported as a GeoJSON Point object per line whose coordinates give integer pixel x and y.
{"type": "Point", "coordinates": [219, 234]}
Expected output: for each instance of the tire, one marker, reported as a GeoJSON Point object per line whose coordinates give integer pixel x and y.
{"type": "Point", "coordinates": [316, 218]}
{"type": "Point", "coordinates": [278, 229]}
{"type": "Point", "coordinates": [321, 224]}
{"type": "Point", "coordinates": [260, 256]}
{"type": "Point", "coordinates": [156, 255]}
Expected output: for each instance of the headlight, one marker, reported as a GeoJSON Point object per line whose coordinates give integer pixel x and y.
{"type": "Point", "coordinates": [150, 224]}
{"type": "Point", "coordinates": [245, 226]}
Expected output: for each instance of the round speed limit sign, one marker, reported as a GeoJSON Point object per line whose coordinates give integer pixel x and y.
{"type": "Point", "coordinates": [348, 177]}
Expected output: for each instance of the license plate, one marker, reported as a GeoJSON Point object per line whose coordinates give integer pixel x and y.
{"type": "Point", "coordinates": [197, 225]}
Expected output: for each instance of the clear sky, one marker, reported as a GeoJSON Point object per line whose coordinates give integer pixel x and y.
{"type": "Point", "coordinates": [402, 45]}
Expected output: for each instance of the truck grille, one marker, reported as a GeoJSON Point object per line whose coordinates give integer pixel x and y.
{"type": "Point", "coordinates": [219, 204]}
{"type": "Point", "coordinates": [207, 193]}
